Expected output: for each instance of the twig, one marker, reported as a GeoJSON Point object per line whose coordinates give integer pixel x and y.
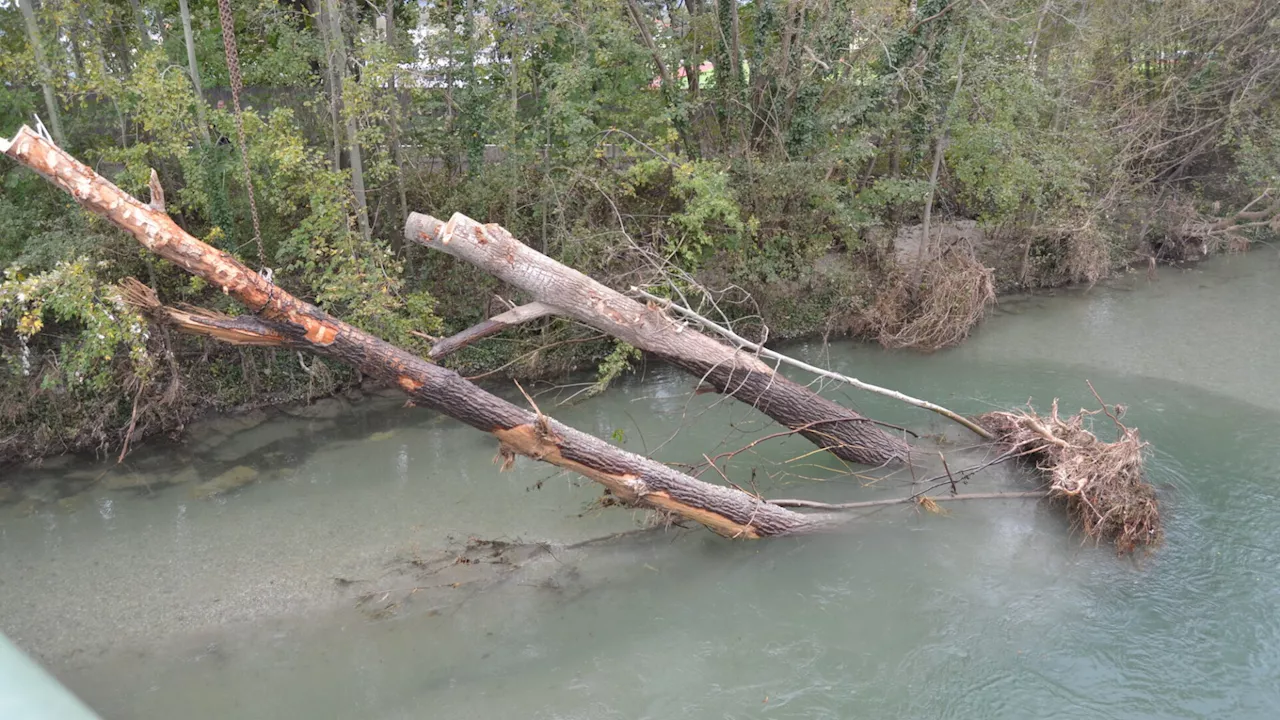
{"type": "Point", "coordinates": [534, 351]}
{"type": "Point", "coordinates": [536, 410]}
{"type": "Point", "coordinates": [133, 420]}
{"type": "Point", "coordinates": [947, 467]}
{"type": "Point", "coordinates": [1114, 419]}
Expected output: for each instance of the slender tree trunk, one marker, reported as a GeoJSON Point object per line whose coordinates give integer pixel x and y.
{"type": "Point", "coordinates": [76, 57]}
{"type": "Point", "coordinates": [938, 149]}
{"type": "Point", "coordinates": [141, 21]}
{"type": "Point", "coordinates": [278, 318]}
{"type": "Point", "coordinates": [95, 42]}
{"type": "Point", "coordinates": [669, 90]}
{"type": "Point", "coordinates": [513, 198]}
{"type": "Point", "coordinates": [449, 31]}
{"type": "Point", "coordinates": [491, 248]}
{"type": "Point", "coordinates": [735, 45]}
{"type": "Point", "coordinates": [393, 138]}
{"type": "Point", "coordinates": [194, 69]}
{"type": "Point", "coordinates": [330, 85]}
{"type": "Point", "coordinates": [42, 66]}
{"type": "Point", "coordinates": [692, 62]}
{"type": "Point", "coordinates": [394, 133]}
{"type": "Point", "coordinates": [353, 138]}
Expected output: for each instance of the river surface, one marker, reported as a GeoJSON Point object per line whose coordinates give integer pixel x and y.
{"type": "Point", "coordinates": [335, 565]}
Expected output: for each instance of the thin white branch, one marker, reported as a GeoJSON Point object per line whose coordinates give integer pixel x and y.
{"type": "Point", "coordinates": [766, 352]}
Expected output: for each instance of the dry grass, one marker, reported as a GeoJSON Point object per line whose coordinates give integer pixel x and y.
{"type": "Point", "coordinates": [951, 297]}
{"type": "Point", "coordinates": [1088, 254]}
{"type": "Point", "coordinates": [1101, 482]}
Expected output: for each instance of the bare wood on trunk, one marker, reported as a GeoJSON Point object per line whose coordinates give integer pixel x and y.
{"type": "Point", "coordinates": [631, 478]}
{"type": "Point", "coordinates": [730, 371]}
{"type": "Point", "coordinates": [492, 326]}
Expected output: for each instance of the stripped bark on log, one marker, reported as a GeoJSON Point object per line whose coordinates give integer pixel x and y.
{"type": "Point", "coordinates": [629, 477]}
{"type": "Point", "coordinates": [742, 375]}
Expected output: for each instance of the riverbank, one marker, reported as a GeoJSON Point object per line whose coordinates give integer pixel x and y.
{"type": "Point", "coordinates": [836, 295]}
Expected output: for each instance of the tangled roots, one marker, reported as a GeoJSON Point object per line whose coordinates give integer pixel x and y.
{"type": "Point", "coordinates": [1101, 482]}
{"type": "Point", "coordinates": [951, 297]}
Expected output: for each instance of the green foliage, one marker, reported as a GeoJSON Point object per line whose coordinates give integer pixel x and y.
{"type": "Point", "coordinates": [611, 368]}
{"type": "Point", "coordinates": [708, 219]}
{"type": "Point", "coordinates": [70, 298]}
{"type": "Point", "coordinates": [1008, 159]}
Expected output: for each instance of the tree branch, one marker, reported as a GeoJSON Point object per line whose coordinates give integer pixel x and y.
{"type": "Point", "coordinates": [492, 326]}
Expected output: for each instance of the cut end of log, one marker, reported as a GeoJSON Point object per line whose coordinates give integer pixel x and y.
{"type": "Point", "coordinates": [423, 228]}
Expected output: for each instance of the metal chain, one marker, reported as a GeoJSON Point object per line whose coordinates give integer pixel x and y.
{"type": "Point", "coordinates": [237, 83]}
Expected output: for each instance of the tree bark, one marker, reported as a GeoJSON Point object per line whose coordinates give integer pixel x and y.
{"type": "Point", "coordinates": [491, 248]}
{"type": "Point", "coordinates": [42, 66]}
{"type": "Point", "coordinates": [284, 320]}
{"type": "Point", "coordinates": [194, 69]}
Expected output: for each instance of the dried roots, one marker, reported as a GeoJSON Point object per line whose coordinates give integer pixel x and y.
{"type": "Point", "coordinates": [951, 296]}
{"type": "Point", "coordinates": [1101, 482]}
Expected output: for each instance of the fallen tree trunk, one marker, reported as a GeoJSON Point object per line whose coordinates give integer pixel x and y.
{"type": "Point", "coordinates": [733, 372]}
{"type": "Point", "coordinates": [289, 322]}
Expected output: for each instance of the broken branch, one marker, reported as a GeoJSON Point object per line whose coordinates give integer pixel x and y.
{"type": "Point", "coordinates": [492, 326]}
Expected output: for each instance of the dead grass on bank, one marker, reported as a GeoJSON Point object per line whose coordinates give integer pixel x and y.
{"type": "Point", "coordinates": [1101, 482]}
{"type": "Point", "coordinates": [951, 297]}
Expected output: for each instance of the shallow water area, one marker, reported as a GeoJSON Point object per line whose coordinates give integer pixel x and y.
{"type": "Point", "coordinates": [301, 566]}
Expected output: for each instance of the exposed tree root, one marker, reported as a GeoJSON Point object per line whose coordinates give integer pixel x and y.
{"type": "Point", "coordinates": [951, 297]}
{"type": "Point", "coordinates": [1101, 482]}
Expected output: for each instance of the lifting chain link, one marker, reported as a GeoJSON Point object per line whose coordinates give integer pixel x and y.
{"type": "Point", "coordinates": [237, 83]}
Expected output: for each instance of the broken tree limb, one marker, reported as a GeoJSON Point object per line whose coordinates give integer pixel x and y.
{"type": "Point", "coordinates": [630, 478]}
{"type": "Point", "coordinates": [242, 330]}
{"type": "Point", "coordinates": [728, 370]}
{"type": "Point", "coordinates": [1247, 217]}
{"type": "Point", "coordinates": [766, 352]}
{"type": "Point", "coordinates": [492, 326]}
